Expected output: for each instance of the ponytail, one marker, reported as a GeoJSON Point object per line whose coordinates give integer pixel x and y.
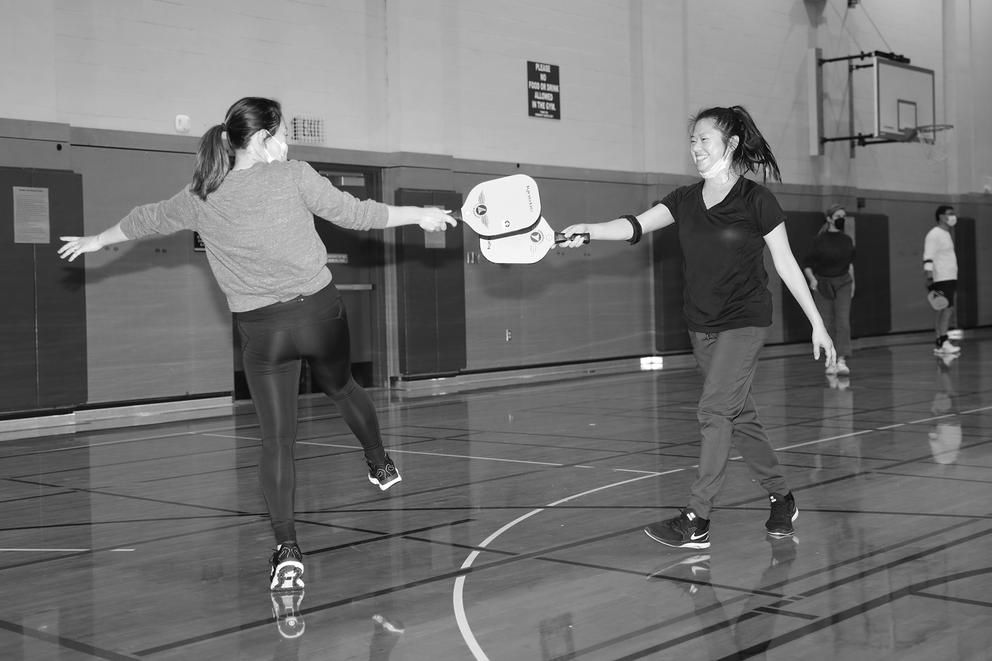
{"type": "Point", "coordinates": [215, 155]}
{"type": "Point", "coordinates": [214, 159]}
{"type": "Point", "coordinates": [753, 152]}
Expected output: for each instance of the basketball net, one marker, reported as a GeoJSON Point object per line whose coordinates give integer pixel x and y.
{"type": "Point", "coordinates": [934, 140]}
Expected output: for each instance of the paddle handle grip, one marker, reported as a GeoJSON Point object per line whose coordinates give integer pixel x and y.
{"type": "Point", "coordinates": [561, 238]}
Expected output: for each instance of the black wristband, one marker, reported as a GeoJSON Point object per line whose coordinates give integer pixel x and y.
{"type": "Point", "coordinates": [635, 226]}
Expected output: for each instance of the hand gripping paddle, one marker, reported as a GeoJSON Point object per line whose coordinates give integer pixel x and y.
{"type": "Point", "coordinates": [506, 214]}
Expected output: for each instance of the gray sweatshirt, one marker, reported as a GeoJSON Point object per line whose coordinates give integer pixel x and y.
{"type": "Point", "coordinates": [258, 229]}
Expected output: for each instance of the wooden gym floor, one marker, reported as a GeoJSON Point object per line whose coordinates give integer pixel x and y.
{"type": "Point", "coordinates": [517, 530]}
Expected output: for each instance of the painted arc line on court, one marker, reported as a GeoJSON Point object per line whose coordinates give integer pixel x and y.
{"type": "Point", "coordinates": [457, 593]}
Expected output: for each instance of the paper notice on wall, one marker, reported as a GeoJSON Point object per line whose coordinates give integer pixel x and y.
{"type": "Point", "coordinates": [31, 215]}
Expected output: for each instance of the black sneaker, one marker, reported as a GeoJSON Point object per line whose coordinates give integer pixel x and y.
{"type": "Point", "coordinates": [784, 512]}
{"type": "Point", "coordinates": [686, 531]}
{"type": "Point", "coordinates": [287, 568]}
{"type": "Point", "coordinates": [689, 573]}
{"type": "Point", "coordinates": [383, 476]}
{"type": "Point", "coordinates": [286, 612]}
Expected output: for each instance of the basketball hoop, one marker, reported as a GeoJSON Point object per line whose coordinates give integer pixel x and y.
{"type": "Point", "coordinates": [934, 139]}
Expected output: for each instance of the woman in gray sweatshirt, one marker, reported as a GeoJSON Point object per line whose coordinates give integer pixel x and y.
{"type": "Point", "coordinates": [254, 210]}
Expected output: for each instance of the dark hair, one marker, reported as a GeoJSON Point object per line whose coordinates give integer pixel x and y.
{"type": "Point", "coordinates": [941, 210]}
{"type": "Point", "coordinates": [752, 153]}
{"type": "Point", "coordinates": [215, 155]}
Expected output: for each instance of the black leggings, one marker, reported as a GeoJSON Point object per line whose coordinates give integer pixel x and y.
{"type": "Point", "coordinates": [274, 340]}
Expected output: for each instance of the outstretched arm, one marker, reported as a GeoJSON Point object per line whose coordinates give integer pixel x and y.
{"type": "Point", "coordinates": [788, 269]}
{"type": "Point", "coordinates": [75, 246]}
{"type": "Point", "coordinates": [620, 229]}
{"type": "Point", "coordinates": [430, 219]}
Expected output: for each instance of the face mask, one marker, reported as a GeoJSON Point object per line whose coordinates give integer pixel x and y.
{"type": "Point", "coordinates": [952, 221]}
{"type": "Point", "coordinates": [269, 153]}
{"type": "Point", "coordinates": [719, 167]}
{"type": "Point", "coordinates": [839, 223]}
{"type": "Point", "coordinates": [281, 149]}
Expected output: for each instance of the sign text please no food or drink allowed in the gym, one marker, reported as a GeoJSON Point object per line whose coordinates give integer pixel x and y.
{"type": "Point", "coordinates": [543, 91]}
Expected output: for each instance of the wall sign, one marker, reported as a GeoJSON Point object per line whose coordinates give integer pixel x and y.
{"type": "Point", "coordinates": [31, 215]}
{"type": "Point", "coordinates": [543, 90]}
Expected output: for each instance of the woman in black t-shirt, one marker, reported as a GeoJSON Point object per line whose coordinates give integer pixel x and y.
{"type": "Point", "coordinates": [829, 270]}
{"type": "Point", "coordinates": [724, 224]}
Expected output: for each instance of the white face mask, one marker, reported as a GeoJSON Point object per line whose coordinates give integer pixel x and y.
{"type": "Point", "coordinates": [266, 152]}
{"type": "Point", "coordinates": [720, 167]}
{"type": "Point", "coordinates": [281, 150]}
{"type": "Point", "coordinates": [952, 221]}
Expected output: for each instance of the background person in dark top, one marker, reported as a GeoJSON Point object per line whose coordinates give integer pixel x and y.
{"type": "Point", "coordinates": [829, 269]}
{"type": "Point", "coordinates": [724, 224]}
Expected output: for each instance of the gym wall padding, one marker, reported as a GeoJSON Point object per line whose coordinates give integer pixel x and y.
{"type": "Point", "coordinates": [671, 331]}
{"type": "Point", "coordinates": [574, 305]}
{"type": "Point", "coordinates": [870, 309]}
{"type": "Point", "coordinates": [43, 325]}
{"type": "Point", "coordinates": [966, 304]}
{"type": "Point", "coordinates": [158, 324]}
{"type": "Point", "coordinates": [431, 292]}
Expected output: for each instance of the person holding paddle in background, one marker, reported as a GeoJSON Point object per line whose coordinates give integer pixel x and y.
{"type": "Point", "coordinates": [724, 224]}
{"type": "Point", "coordinates": [254, 210]}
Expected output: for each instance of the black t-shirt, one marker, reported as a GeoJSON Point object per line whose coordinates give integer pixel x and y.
{"type": "Point", "coordinates": [726, 285]}
{"type": "Point", "coordinates": [831, 255]}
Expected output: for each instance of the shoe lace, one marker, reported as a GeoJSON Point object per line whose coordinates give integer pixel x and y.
{"type": "Point", "coordinates": [289, 550]}
{"type": "Point", "coordinates": [684, 523]}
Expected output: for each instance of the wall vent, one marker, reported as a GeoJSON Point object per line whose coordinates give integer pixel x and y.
{"type": "Point", "coordinates": [307, 129]}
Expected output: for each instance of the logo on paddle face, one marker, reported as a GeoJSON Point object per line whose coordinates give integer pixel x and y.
{"type": "Point", "coordinates": [480, 210]}
{"type": "Point", "coordinates": [536, 237]}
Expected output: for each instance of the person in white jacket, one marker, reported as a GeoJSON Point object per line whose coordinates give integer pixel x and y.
{"type": "Point", "coordinates": [940, 266]}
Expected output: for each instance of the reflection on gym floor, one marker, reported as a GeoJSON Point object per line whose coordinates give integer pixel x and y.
{"type": "Point", "coordinates": [517, 530]}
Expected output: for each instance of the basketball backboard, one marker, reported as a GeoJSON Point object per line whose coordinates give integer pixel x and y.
{"type": "Point", "coordinates": [904, 98]}
{"type": "Point", "coordinates": [891, 105]}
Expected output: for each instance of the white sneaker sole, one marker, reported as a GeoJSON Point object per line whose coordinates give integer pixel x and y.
{"type": "Point", "coordinates": [785, 534]}
{"type": "Point", "coordinates": [686, 545]}
{"type": "Point", "coordinates": [387, 484]}
{"type": "Point", "coordinates": [287, 576]}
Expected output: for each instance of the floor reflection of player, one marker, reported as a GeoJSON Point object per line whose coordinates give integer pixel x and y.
{"type": "Point", "coordinates": [750, 633]}
{"type": "Point", "coordinates": [385, 634]}
{"type": "Point", "coordinates": [838, 423]}
{"type": "Point", "coordinates": [286, 611]}
{"type": "Point", "coordinates": [945, 434]}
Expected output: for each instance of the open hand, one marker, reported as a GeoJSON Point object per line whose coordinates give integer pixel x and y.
{"type": "Point", "coordinates": [75, 246]}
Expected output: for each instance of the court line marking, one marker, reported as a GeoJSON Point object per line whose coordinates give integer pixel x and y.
{"type": "Point", "coordinates": [40, 550]}
{"type": "Point", "coordinates": [457, 593]}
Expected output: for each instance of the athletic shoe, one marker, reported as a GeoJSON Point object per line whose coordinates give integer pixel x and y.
{"type": "Point", "coordinates": [831, 369]}
{"type": "Point", "coordinates": [784, 512]}
{"type": "Point", "coordinates": [286, 611]}
{"type": "Point", "coordinates": [287, 568]}
{"type": "Point", "coordinates": [686, 531]}
{"type": "Point", "coordinates": [383, 476]}
{"type": "Point", "coordinates": [689, 573]}
{"type": "Point", "coordinates": [947, 349]}
{"type": "Point", "coordinates": [842, 368]}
